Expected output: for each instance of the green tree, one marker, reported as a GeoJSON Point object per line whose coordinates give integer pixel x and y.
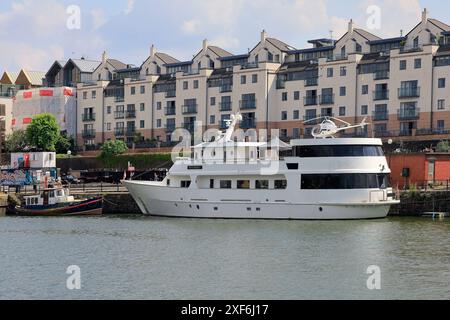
{"type": "Point", "coordinates": [64, 144]}
{"type": "Point", "coordinates": [43, 132]}
{"type": "Point", "coordinates": [443, 146]}
{"type": "Point", "coordinates": [17, 141]}
{"type": "Point", "coordinates": [113, 148]}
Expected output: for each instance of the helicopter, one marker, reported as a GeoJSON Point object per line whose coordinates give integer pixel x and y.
{"type": "Point", "coordinates": [328, 128]}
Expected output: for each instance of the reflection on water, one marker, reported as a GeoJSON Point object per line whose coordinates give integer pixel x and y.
{"type": "Point", "coordinates": [134, 257]}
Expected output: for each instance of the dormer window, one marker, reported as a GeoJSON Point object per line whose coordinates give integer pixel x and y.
{"type": "Point", "coordinates": [269, 56]}
{"type": "Point", "coordinates": [416, 42]}
{"type": "Point", "coordinates": [343, 51]}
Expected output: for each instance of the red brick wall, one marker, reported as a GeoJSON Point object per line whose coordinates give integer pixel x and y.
{"type": "Point", "coordinates": [442, 167]}
{"type": "Point", "coordinates": [416, 163]}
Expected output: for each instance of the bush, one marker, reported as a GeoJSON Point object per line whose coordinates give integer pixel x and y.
{"type": "Point", "coordinates": [112, 148]}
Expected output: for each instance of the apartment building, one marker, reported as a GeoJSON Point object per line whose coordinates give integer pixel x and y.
{"type": "Point", "coordinates": [399, 84]}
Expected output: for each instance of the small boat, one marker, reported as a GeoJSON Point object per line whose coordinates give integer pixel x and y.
{"type": "Point", "coordinates": [58, 202]}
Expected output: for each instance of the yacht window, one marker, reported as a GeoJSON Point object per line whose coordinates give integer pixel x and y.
{"type": "Point", "coordinates": [59, 193]}
{"type": "Point", "coordinates": [262, 184]}
{"type": "Point", "coordinates": [280, 184]}
{"type": "Point", "coordinates": [344, 181]}
{"type": "Point", "coordinates": [338, 151]}
{"type": "Point", "coordinates": [211, 183]}
{"type": "Point", "coordinates": [292, 166]}
{"type": "Point", "coordinates": [225, 184]}
{"type": "Point", "coordinates": [243, 184]}
{"type": "Point", "coordinates": [185, 184]}
{"type": "Point", "coordinates": [168, 182]}
{"type": "Point", "coordinates": [28, 201]}
{"type": "Point", "coordinates": [51, 194]}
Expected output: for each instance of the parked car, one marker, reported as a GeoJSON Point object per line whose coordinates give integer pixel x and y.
{"type": "Point", "coordinates": [69, 179]}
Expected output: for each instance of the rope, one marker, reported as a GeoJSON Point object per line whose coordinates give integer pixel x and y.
{"type": "Point", "coordinates": [159, 167]}
{"type": "Point", "coordinates": [111, 203]}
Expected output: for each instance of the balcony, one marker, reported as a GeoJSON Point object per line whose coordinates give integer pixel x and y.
{"type": "Point", "coordinates": [326, 99]}
{"type": "Point", "coordinates": [130, 131]}
{"type": "Point", "coordinates": [226, 88]}
{"type": "Point", "coordinates": [170, 111]}
{"type": "Point", "coordinates": [310, 101]}
{"type": "Point", "coordinates": [281, 84]}
{"type": "Point", "coordinates": [380, 116]}
{"type": "Point", "coordinates": [119, 132]}
{"type": "Point", "coordinates": [189, 126]}
{"type": "Point", "coordinates": [381, 75]}
{"type": "Point", "coordinates": [130, 114]}
{"type": "Point", "coordinates": [408, 114]}
{"type": "Point", "coordinates": [408, 93]}
{"type": "Point", "coordinates": [170, 127]}
{"type": "Point", "coordinates": [381, 95]}
{"type": "Point", "coordinates": [408, 49]}
{"type": "Point", "coordinates": [88, 133]}
{"type": "Point", "coordinates": [119, 99]}
{"type": "Point", "coordinates": [311, 120]}
{"type": "Point", "coordinates": [119, 115]}
{"type": "Point", "coordinates": [311, 82]}
{"type": "Point", "coordinates": [225, 106]}
{"type": "Point", "coordinates": [248, 124]}
{"type": "Point", "coordinates": [250, 65]}
{"type": "Point", "coordinates": [188, 109]}
{"type": "Point", "coordinates": [247, 104]}
{"type": "Point", "coordinates": [325, 114]}
{"type": "Point", "coordinates": [88, 117]}
{"type": "Point", "coordinates": [223, 124]}
{"type": "Point", "coordinates": [171, 94]}
{"type": "Point", "coordinates": [338, 57]}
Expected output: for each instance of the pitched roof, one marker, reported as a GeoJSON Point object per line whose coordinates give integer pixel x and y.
{"type": "Point", "coordinates": [440, 24]}
{"type": "Point", "coordinates": [367, 35]}
{"type": "Point", "coordinates": [280, 44]}
{"type": "Point", "coordinates": [35, 77]}
{"type": "Point", "coordinates": [84, 65]}
{"type": "Point", "coordinates": [117, 64]}
{"type": "Point", "coordinates": [166, 58]}
{"type": "Point", "coordinates": [11, 75]}
{"type": "Point", "coordinates": [220, 52]}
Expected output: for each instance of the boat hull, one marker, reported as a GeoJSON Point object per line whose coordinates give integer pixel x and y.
{"type": "Point", "coordinates": [89, 207]}
{"type": "Point", "coordinates": [153, 200]}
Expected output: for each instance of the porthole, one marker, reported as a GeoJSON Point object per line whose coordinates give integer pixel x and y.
{"type": "Point", "coordinates": [215, 208]}
{"type": "Point", "coordinates": [320, 209]}
{"type": "Point", "coordinates": [249, 209]}
{"type": "Point", "coordinates": [258, 209]}
{"type": "Point", "coordinates": [198, 207]}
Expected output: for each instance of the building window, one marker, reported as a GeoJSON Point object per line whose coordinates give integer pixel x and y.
{"type": "Point", "coordinates": [364, 110]}
{"type": "Point", "coordinates": [269, 56]}
{"type": "Point", "coordinates": [343, 71]}
{"type": "Point", "coordinates": [142, 124]}
{"type": "Point", "coordinates": [441, 124]}
{"type": "Point", "coordinates": [417, 63]}
{"type": "Point", "coordinates": [142, 89]}
{"type": "Point", "coordinates": [402, 64]}
{"type": "Point", "coordinates": [296, 95]}
{"type": "Point", "coordinates": [296, 115]}
{"type": "Point", "coordinates": [195, 84]}
{"type": "Point", "coordinates": [441, 83]}
{"type": "Point", "coordinates": [254, 78]}
{"type": "Point", "coordinates": [358, 48]}
{"type": "Point", "coordinates": [158, 123]}
{"type": "Point", "coordinates": [343, 91]}
{"type": "Point", "coordinates": [94, 94]}
{"type": "Point", "coordinates": [296, 133]}
{"type": "Point", "coordinates": [213, 101]}
{"type": "Point", "coordinates": [243, 79]}
{"type": "Point", "coordinates": [365, 89]}
{"type": "Point", "coordinates": [330, 72]}
{"type": "Point", "coordinates": [341, 111]}
{"type": "Point", "coordinates": [185, 85]}
{"type": "Point", "coordinates": [441, 104]}
{"type": "Point", "coordinates": [284, 96]}
{"type": "Point", "coordinates": [283, 115]}
{"type": "Point", "coordinates": [84, 95]}
{"type": "Point", "coordinates": [158, 105]}
{"type": "Point", "coordinates": [108, 126]}
{"type": "Point", "coordinates": [108, 110]}
{"type": "Point", "coordinates": [212, 119]}
{"type": "Point", "coordinates": [416, 42]}
{"type": "Point", "coordinates": [142, 107]}
{"type": "Point", "coordinates": [133, 91]}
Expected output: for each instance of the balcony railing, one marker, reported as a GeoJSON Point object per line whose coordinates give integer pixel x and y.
{"type": "Point", "coordinates": [326, 99]}
{"type": "Point", "coordinates": [119, 132]}
{"type": "Point", "coordinates": [171, 94]}
{"type": "Point", "coordinates": [381, 95]}
{"type": "Point", "coordinates": [225, 106]}
{"type": "Point", "coordinates": [130, 114]}
{"type": "Point", "coordinates": [337, 57]}
{"type": "Point", "coordinates": [381, 75]}
{"type": "Point", "coordinates": [88, 116]}
{"type": "Point", "coordinates": [226, 88]}
{"type": "Point", "coordinates": [310, 101]}
{"type": "Point", "coordinates": [407, 49]}
{"type": "Point", "coordinates": [311, 82]}
{"type": "Point", "coordinates": [408, 92]}
{"type": "Point", "coordinates": [130, 131]}
{"type": "Point", "coordinates": [187, 109]}
{"type": "Point", "coordinates": [88, 133]}
{"type": "Point", "coordinates": [427, 132]}
{"type": "Point", "coordinates": [380, 116]}
{"type": "Point", "coordinates": [170, 111]}
{"type": "Point", "coordinates": [119, 99]}
{"type": "Point", "coordinates": [250, 65]}
{"type": "Point", "coordinates": [248, 124]}
{"type": "Point", "coordinates": [119, 114]}
{"type": "Point", "coordinates": [408, 114]}
{"type": "Point", "coordinates": [247, 104]}
{"type": "Point", "coordinates": [170, 127]}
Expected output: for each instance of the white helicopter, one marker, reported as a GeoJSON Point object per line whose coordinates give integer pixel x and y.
{"type": "Point", "coordinates": [327, 129]}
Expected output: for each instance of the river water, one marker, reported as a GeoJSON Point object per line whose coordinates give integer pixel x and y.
{"type": "Point", "coordinates": [134, 257]}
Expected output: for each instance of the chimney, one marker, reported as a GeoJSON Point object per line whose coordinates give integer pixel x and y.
{"type": "Point", "coordinates": [152, 51]}
{"type": "Point", "coordinates": [424, 16]}
{"type": "Point", "coordinates": [205, 45]}
{"type": "Point", "coordinates": [104, 57]}
{"type": "Point", "coordinates": [350, 26]}
{"type": "Point", "coordinates": [263, 36]}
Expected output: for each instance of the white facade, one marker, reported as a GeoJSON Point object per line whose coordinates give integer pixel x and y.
{"type": "Point", "coordinates": [33, 160]}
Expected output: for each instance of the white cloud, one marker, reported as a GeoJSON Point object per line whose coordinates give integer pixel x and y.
{"type": "Point", "coordinates": [190, 27]}
{"type": "Point", "coordinates": [130, 6]}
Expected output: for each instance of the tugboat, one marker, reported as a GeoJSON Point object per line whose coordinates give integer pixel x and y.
{"type": "Point", "coordinates": [58, 202]}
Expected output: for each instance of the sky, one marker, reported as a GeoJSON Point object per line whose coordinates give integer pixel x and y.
{"type": "Point", "coordinates": [34, 33]}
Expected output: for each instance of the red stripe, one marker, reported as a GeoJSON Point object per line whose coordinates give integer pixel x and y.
{"type": "Point", "coordinates": [68, 92]}
{"type": "Point", "coordinates": [27, 120]}
{"type": "Point", "coordinates": [27, 95]}
{"type": "Point", "coordinates": [46, 93]}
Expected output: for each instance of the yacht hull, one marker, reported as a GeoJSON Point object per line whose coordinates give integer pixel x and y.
{"type": "Point", "coordinates": [158, 200]}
